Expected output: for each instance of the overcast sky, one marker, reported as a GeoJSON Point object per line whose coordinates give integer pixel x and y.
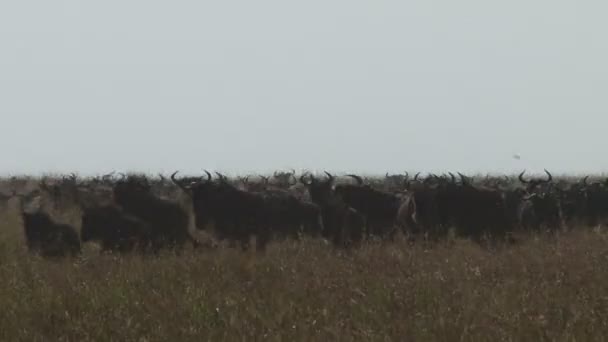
{"type": "Point", "coordinates": [243, 86]}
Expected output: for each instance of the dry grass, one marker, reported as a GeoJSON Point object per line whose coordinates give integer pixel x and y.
{"type": "Point", "coordinates": [542, 289]}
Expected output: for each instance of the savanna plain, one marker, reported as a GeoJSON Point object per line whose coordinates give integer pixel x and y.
{"type": "Point", "coordinates": [545, 287]}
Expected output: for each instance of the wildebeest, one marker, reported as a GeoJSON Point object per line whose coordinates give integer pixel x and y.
{"type": "Point", "coordinates": [379, 207]}
{"type": "Point", "coordinates": [115, 230]}
{"type": "Point", "coordinates": [168, 221]}
{"type": "Point", "coordinates": [48, 238]}
{"type": "Point", "coordinates": [342, 225]}
{"type": "Point", "coordinates": [541, 205]}
{"type": "Point", "coordinates": [237, 215]}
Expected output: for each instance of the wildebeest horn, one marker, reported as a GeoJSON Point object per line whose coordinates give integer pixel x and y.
{"type": "Point", "coordinates": [452, 177]}
{"type": "Point", "coordinates": [222, 177]}
{"type": "Point", "coordinates": [357, 178]}
{"type": "Point", "coordinates": [585, 180]}
{"type": "Point", "coordinates": [463, 178]}
{"type": "Point", "coordinates": [178, 183]}
{"type": "Point", "coordinates": [331, 178]}
{"type": "Point", "coordinates": [208, 175]}
{"type": "Point", "coordinates": [550, 177]}
{"type": "Point", "coordinates": [416, 176]}
{"type": "Point", "coordinates": [521, 177]}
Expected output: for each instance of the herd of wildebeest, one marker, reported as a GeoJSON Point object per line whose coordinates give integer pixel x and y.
{"type": "Point", "coordinates": [143, 214]}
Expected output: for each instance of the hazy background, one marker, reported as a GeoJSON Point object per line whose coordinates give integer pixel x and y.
{"type": "Point", "coordinates": [240, 86]}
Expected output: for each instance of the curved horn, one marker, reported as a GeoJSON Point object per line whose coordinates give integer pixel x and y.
{"type": "Point", "coordinates": [521, 177]}
{"type": "Point", "coordinates": [222, 177]}
{"type": "Point", "coordinates": [463, 178]}
{"type": "Point", "coordinates": [331, 178]}
{"type": "Point", "coordinates": [452, 177]}
{"type": "Point", "coordinates": [416, 176]}
{"type": "Point", "coordinates": [357, 178]}
{"type": "Point", "coordinates": [179, 184]}
{"type": "Point", "coordinates": [208, 175]}
{"type": "Point", "coordinates": [550, 177]}
{"type": "Point", "coordinates": [386, 176]}
{"type": "Point", "coordinates": [585, 181]}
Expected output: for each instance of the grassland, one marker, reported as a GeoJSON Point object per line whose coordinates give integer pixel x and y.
{"type": "Point", "coordinates": [545, 288]}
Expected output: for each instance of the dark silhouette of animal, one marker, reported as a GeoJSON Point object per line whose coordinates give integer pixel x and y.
{"type": "Point", "coordinates": [115, 230]}
{"type": "Point", "coordinates": [342, 225]}
{"type": "Point", "coordinates": [379, 207]}
{"type": "Point", "coordinates": [48, 238]}
{"type": "Point", "coordinates": [167, 220]}
{"type": "Point", "coordinates": [237, 215]}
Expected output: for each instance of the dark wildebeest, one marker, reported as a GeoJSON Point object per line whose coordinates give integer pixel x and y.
{"type": "Point", "coordinates": [115, 230]}
{"type": "Point", "coordinates": [168, 221]}
{"type": "Point", "coordinates": [342, 225]}
{"type": "Point", "coordinates": [574, 202]}
{"type": "Point", "coordinates": [379, 208]}
{"type": "Point", "coordinates": [237, 215]}
{"type": "Point", "coordinates": [478, 211]}
{"type": "Point", "coordinates": [419, 214]}
{"type": "Point", "coordinates": [597, 203]}
{"type": "Point", "coordinates": [48, 238]}
{"type": "Point", "coordinates": [290, 217]}
{"type": "Point", "coordinates": [541, 206]}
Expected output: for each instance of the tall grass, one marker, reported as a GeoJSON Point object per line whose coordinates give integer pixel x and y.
{"type": "Point", "coordinates": [546, 288]}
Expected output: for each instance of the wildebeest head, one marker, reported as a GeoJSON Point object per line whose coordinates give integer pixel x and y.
{"type": "Point", "coordinates": [202, 193]}
{"type": "Point", "coordinates": [534, 183]}
{"type": "Point", "coordinates": [396, 182]}
{"type": "Point", "coordinates": [320, 190]}
{"type": "Point", "coordinates": [285, 179]}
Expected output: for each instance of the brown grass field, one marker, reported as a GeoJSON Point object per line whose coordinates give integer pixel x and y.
{"type": "Point", "coordinates": [544, 288]}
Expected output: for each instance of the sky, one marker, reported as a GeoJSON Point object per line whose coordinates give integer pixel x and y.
{"type": "Point", "coordinates": [345, 85]}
